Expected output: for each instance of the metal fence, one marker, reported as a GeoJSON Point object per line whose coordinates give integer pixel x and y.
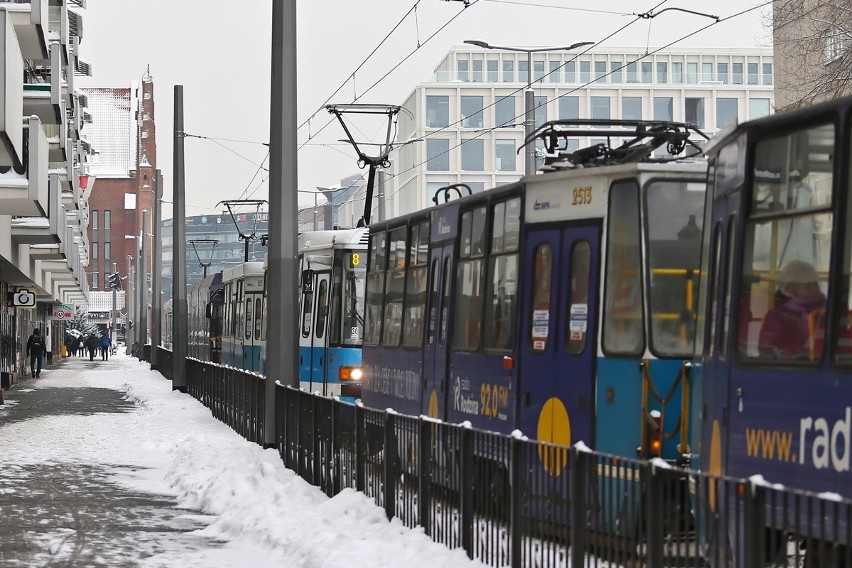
{"type": "Point", "coordinates": [509, 501]}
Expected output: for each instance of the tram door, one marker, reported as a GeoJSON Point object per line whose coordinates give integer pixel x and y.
{"type": "Point", "coordinates": [435, 352]}
{"type": "Point", "coordinates": [558, 335]}
{"type": "Point", "coordinates": [317, 335]}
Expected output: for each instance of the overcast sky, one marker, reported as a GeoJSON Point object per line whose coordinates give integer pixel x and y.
{"type": "Point", "coordinates": [220, 52]}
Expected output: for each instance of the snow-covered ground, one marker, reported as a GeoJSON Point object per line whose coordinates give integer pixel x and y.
{"type": "Point", "coordinates": [169, 444]}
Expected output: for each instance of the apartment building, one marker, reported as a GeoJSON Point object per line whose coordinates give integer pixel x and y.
{"type": "Point", "coordinates": [44, 179]}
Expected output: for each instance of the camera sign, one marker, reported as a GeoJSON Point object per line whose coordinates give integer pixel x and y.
{"type": "Point", "coordinates": [24, 298]}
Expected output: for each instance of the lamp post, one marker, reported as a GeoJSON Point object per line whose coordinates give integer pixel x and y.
{"type": "Point", "coordinates": [529, 94]}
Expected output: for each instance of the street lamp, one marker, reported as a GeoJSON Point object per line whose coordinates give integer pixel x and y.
{"type": "Point", "coordinates": [529, 94]}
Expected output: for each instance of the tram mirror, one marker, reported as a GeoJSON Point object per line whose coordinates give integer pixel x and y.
{"type": "Point", "coordinates": [307, 281]}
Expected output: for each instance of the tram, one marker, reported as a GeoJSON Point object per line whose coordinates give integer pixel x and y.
{"type": "Point", "coordinates": [243, 330]}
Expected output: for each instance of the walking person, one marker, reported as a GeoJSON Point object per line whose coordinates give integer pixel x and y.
{"type": "Point", "coordinates": [92, 344]}
{"type": "Point", "coordinates": [35, 351]}
{"type": "Point", "coordinates": [105, 345]}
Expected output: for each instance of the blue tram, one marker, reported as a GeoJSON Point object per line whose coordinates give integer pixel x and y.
{"type": "Point", "coordinates": [333, 266]}
{"type": "Point", "coordinates": [243, 330]}
{"type": "Point", "coordinates": [563, 306]}
{"type": "Point", "coordinates": [205, 303]}
{"type": "Point", "coordinates": [776, 345]}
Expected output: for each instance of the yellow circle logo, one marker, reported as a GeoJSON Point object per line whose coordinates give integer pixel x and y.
{"type": "Point", "coordinates": [433, 405]}
{"type": "Point", "coordinates": [554, 427]}
{"type": "Point", "coordinates": [715, 462]}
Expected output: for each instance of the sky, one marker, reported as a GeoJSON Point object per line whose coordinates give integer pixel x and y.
{"type": "Point", "coordinates": [259, 513]}
{"type": "Point", "coordinates": [221, 53]}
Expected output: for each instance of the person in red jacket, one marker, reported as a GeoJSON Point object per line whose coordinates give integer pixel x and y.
{"type": "Point", "coordinates": [785, 334]}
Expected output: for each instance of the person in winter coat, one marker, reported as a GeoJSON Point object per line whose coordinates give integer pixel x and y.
{"type": "Point", "coordinates": [92, 344]}
{"type": "Point", "coordinates": [35, 351]}
{"type": "Point", "coordinates": [105, 343]}
{"type": "Point", "coordinates": [785, 334]}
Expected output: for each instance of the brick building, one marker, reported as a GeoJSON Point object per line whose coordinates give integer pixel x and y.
{"type": "Point", "coordinates": [123, 136]}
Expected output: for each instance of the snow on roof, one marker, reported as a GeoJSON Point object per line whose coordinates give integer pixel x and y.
{"type": "Point", "coordinates": [112, 132]}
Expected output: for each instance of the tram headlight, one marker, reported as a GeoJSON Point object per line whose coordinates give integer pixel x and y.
{"type": "Point", "coordinates": [350, 373]}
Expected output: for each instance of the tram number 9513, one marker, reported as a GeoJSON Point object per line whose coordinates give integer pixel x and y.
{"type": "Point", "coordinates": [494, 400]}
{"type": "Point", "coordinates": [582, 195]}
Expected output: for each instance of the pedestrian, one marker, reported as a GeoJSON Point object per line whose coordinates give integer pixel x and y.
{"type": "Point", "coordinates": [105, 344]}
{"type": "Point", "coordinates": [35, 351]}
{"type": "Point", "coordinates": [80, 346]}
{"type": "Point", "coordinates": [92, 344]}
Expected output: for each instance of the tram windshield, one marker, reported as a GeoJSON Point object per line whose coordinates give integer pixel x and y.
{"type": "Point", "coordinates": [675, 212]}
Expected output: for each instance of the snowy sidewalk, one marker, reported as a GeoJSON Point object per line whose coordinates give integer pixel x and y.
{"type": "Point", "coordinates": [102, 464]}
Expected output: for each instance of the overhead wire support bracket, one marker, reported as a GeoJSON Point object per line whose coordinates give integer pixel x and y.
{"type": "Point", "coordinates": [201, 242]}
{"type": "Point", "coordinates": [247, 237]}
{"type": "Point", "coordinates": [374, 162]}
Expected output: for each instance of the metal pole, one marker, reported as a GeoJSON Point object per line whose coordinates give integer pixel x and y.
{"type": "Point", "coordinates": [128, 307]}
{"type": "Point", "coordinates": [380, 196]}
{"type": "Point", "coordinates": [156, 271]}
{"type": "Point", "coordinates": [282, 364]}
{"type": "Point", "coordinates": [179, 250]}
{"type": "Point", "coordinates": [529, 119]}
{"type": "Point", "coordinates": [143, 279]}
{"type": "Point", "coordinates": [315, 211]}
{"type": "Point", "coordinates": [139, 273]}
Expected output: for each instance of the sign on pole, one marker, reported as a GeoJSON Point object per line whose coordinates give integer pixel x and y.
{"type": "Point", "coordinates": [61, 312]}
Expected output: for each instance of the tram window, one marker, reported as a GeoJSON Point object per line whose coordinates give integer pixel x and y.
{"type": "Point", "coordinates": [542, 282]}
{"type": "Point", "coordinates": [353, 303]}
{"type": "Point", "coordinates": [445, 301]}
{"type": "Point", "coordinates": [307, 313]}
{"type": "Point", "coordinates": [623, 319]}
{"type": "Point", "coordinates": [467, 313]}
{"type": "Point", "coordinates": [513, 225]}
{"type": "Point", "coordinates": [578, 310]}
{"type": "Point", "coordinates": [258, 318]}
{"type": "Point", "coordinates": [374, 298]}
{"type": "Point", "coordinates": [322, 307]}
{"type": "Point", "coordinates": [502, 302]}
{"type": "Point", "coordinates": [415, 293]}
{"type": "Point", "coordinates": [249, 321]}
{"type": "Point", "coordinates": [787, 248]}
{"type": "Point", "coordinates": [433, 303]}
{"type": "Point", "coordinates": [394, 287]}
{"type": "Point", "coordinates": [675, 212]}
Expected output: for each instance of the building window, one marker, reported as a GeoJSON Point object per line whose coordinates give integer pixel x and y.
{"type": "Point", "coordinates": [508, 71]}
{"type": "Point", "coordinates": [585, 71]}
{"type": "Point", "coordinates": [737, 73]}
{"type": "Point", "coordinates": [504, 152]}
{"type": "Point", "coordinates": [632, 77]}
{"type": "Point", "coordinates": [95, 281]}
{"type": "Point", "coordinates": [646, 72]}
{"type": "Point", "coordinates": [722, 72]}
{"type": "Point", "coordinates": [437, 155]}
{"type": "Point", "coordinates": [753, 78]}
{"type": "Point", "coordinates": [767, 73]}
{"type": "Point", "coordinates": [476, 186]}
{"type": "Point", "coordinates": [570, 71]}
{"type": "Point", "coordinates": [95, 220]}
{"type": "Point", "coordinates": [504, 111]}
{"type": "Point", "coordinates": [600, 107]}
{"type": "Point", "coordinates": [471, 112]}
{"type": "Point", "coordinates": [692, 73]}
{"type": "Point", "coordinates": [726, 112]}
{"type": "Point", "coordinates": [107, 256]}
{"type": "Point", "coordinates": [462, 66]}
{"type": "Point", "coordinates": [569, 108]}
{"type": "Point", "coordinates": [758, 108]}
{"type": "Point", "coordinates": [600, 71]}
{"type": "Point", "coordinates": [631, 108]}
{"type": "Point", "coordinates": [523, 70]}
{"type": "Point", "coordinates": [477, 70]}
{"type": "Point", "coordinates": [677, 73]}
{"type": "Point", "coordinates": [492, 70]}
{"type": "Point", "coordinates": [437, 111]}
{"type": "Point", "coordinates": [663, 108]}
{"type": "Point", "coordinates": [694, 111]}
{"type": "Point", "coordinates": [616, 74]}
{"type": "Point", "coordinates": [553, 74]}
{"type": "Point", "coordinates": [662, 72]}
{"type": "Point", "coordinates": [472, 155]}
{"type": "Point", "coordinates": [706, 72]}
{"type": "Point", "coordinates": [538, 70]}
{"type": "Point", "coordinates": [540, 111]}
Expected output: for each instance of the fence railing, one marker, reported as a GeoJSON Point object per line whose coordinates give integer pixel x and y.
{"type": "Point", "coordinates": [510, 501]}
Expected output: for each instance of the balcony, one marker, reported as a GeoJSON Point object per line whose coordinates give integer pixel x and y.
{"type": "Point", "coordinates": [29, 17]}
{"type": "Point", "coordinates": [44, 99]}
{"type": "Point", "coordinates": [12, 95]}
{"type": "Point", "coordinates": [24, 188]}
